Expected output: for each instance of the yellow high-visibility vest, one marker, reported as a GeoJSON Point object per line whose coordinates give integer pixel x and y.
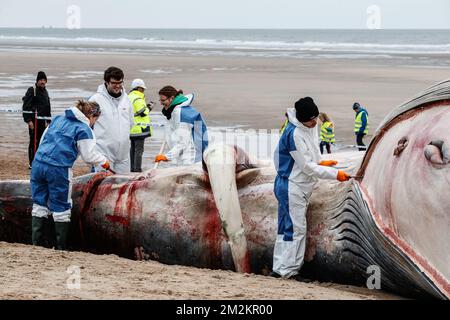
{"type": "Point", "coordinates": [327, 132]}
{"type": "Point", "coordinates": [284, 126]}
{"type": "Point", "coordinates": [142, 124]}
{"type": "Point", "coordinates": [358, 122]}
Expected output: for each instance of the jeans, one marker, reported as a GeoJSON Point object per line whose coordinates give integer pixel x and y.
{"type": "Point", "coordinates": [326, 144]}
{"type": "Point", "coordinates": [359, 141]}
{"type": "Point", "coordinates": [35, 137]}
{"type": "Point", "coordinates": [136, 152]}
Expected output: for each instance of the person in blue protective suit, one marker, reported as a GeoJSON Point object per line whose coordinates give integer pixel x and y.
{"type": "Point", "coordinates": [186, 132]}
{"type": "Point", "coordinates": [298, 165]}
{"type": "Point", "coordinates": [51, 175]}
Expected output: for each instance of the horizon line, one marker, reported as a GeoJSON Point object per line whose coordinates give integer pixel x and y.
{"type": "Point", "coordinates": [221, 28]}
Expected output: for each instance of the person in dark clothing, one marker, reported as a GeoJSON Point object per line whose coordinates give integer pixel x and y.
{"type": "Point", "coordinates": [36, 113]}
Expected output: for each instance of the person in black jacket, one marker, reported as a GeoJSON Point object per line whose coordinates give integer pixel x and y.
{"type": "Point", "coordinates": [36, 113]}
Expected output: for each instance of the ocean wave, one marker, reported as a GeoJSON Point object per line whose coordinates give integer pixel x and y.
{"type": "Point", "coordinates": [227, 44]}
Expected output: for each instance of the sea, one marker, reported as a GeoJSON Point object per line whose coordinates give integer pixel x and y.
{"type": "Point", "coordinates": [294, 43]}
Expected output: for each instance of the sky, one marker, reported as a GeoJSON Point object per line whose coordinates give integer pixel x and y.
{"type": "Point", "coordinates": [328, 14]}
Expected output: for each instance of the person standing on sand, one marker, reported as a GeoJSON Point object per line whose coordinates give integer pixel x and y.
{"type": "Point", "coordinates": [361, 124]}
{"type": "Point", "coordinates": [36, 112]}
{"type": "Point", "coordinates": [112, 129]}
{"type": "Point", "coordinates": [326, 132]}
{"type": "Point", "coordinates": [142, 128]}
{"type": "Point", "coordinates": [298, 165]}
{"type": "Point", "coordinates": [51, 173]}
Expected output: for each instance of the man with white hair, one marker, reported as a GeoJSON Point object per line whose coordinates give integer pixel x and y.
{"type": "Point", "coordinates": [142, 126]}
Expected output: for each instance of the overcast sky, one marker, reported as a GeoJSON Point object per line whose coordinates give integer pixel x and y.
{"type": "Point", "coordinates": [426, 14]}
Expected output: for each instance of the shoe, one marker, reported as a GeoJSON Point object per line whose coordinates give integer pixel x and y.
{"type": "Point", "coordinates": [29, 167]}
{"type": "Point", "coordinates": [274, 275]}
{"type": "Point", "coordinates": [298, 277]}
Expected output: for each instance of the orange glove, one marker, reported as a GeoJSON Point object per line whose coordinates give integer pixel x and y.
{"type": "Point", "coordinates": [343, 176]}
{"type": "Point", "coordinates": [328, 163]}
{"type": "Point", "coordinates": [106, 165]}
{"type": "Point", "coordinates": [161, 157]}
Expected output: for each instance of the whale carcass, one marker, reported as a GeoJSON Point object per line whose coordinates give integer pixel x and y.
{"type": "Point", "coordinates": [394, 216]}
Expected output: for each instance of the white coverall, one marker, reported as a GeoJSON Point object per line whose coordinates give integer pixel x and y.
{"type": "Point", "coordinates": [297, 160]}
{"type": "Point", "coordinates": [112, 129]}
{"type": "Point", "coordinates": [186, 134]}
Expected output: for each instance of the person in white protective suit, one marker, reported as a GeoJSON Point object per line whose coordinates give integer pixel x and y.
{"type": "Point", "coordinates": [186, 132]}
{"type": "Point", "coordinates": [298, 165]}
{"type": "Point", "coordinates": [112, 129]}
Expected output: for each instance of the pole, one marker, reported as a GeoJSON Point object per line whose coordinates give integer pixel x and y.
{"type": "Point", "coordinates": [35, 132]}
{"type": "Point", "coordinates": [351, 146]}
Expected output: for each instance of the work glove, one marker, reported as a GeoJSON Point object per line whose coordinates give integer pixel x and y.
{"type": "Point", "coordinates": [106, 165]}
{"type": "Point", "coordinates": [150, 105]}
{"type": "Point", "coordinates": [161, 157]}
{"type": "Point", "coordinates": [342, 176]}
{"type": "Point", "coordinates": [328, 163]}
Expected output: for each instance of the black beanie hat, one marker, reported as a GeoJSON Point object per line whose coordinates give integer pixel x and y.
{"type": "Point", "coordinates": [41, 75]}
{"type": "Point", "coordinates": [356, 105]}
{"type": "Point", "coordinates": [306, 109]}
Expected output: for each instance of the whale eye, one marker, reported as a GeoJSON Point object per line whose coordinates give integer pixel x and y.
{"type": "Point", "coordinates": [437, 152]}
{"type": "Point", "coordinates": [401, 145]}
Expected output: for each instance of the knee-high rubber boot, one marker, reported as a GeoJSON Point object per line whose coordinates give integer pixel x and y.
{"type": "Point", "coordinates": [61, 231]}
{"type": "Point", "coordinates": [37, 230]}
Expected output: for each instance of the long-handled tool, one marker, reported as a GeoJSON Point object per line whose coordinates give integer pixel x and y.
{"type": "Point", "coordinates": [351, 146]}
{"type": "Point", "coordinates": [161, 150]}
{"type": "Point", "coordinates": [35, 133]}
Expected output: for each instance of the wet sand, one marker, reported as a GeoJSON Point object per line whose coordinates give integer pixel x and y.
{"type": "Point", "coordinates": [253, 92]}
{"type": "Point", "coordinates": [250, 93]}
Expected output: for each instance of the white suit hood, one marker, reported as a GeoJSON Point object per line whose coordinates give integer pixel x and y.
{"type": "Point", "coordinates": [307, 157]}
{"type": "Point", "coordinates": [178, 136]}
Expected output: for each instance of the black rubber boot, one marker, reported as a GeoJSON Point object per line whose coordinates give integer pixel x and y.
{"type": "Point", "coordinates": [62, 232]}
{"type": "Point", "coordinates": [274, 274]}
{"type": "Point", "coordinates": [300, 278]}
{"type": "Point", "coordinates": [37, 230]}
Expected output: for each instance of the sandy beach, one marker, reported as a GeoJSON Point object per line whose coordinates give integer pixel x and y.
{"type": "Point", "coordinates": [236, 92]}
{"type": "Point", "coordinates": [112, 277]}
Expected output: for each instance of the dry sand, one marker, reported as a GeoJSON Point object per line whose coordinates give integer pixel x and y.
{"type": "Point", "coordinates": [30, 272]}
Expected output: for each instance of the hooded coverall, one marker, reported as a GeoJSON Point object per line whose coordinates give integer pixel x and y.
{"type": "Point", "coordinates": [297, 159]}
{"type": "Point", "coordinates": [112, 128]}
{"type": "Point", "coordinates": [51, 173]}
{"type": "Point", "coordinates": [186, 134]}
